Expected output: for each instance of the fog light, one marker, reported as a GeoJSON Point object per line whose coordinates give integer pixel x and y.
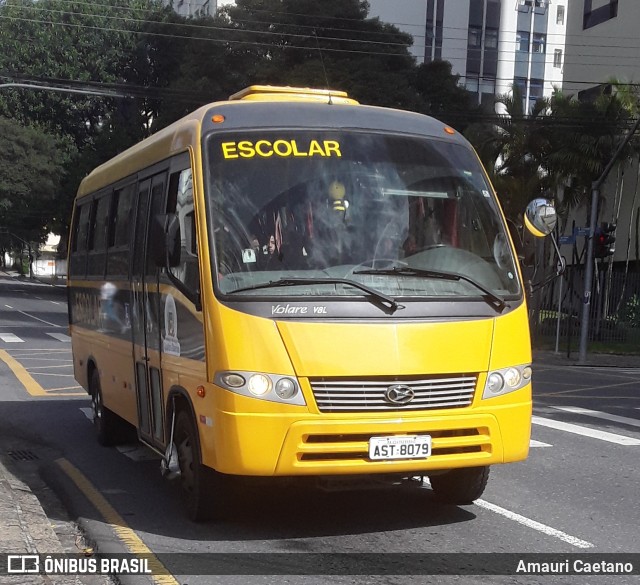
{"type": "Point", "coordinates": [512, 377]}
{"type": "Point", "coordinates": [259, 384]}
{"type": "Point", "coordinates": [286, 388]}
{"type": "Point", "coordinates": [526, 373]}
{"type": "Point", "coordinates": [495, 383]}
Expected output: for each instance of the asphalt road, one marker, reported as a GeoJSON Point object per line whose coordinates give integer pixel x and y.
{"type": "Point", "coordinates": [576, 493]}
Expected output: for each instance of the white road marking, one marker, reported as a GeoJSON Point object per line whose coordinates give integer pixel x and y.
{"type": "Point", "coordinates": [137, 452]}
{"type": "Point", "coordinates": [9, 306]}
{"type": "Point", "coordinates": [38, 319]}
{"type": "Point", "coordinates": [548, 530]}
{"type": "Point", "coordinates": [60, 336]}
{"type": "Point", "coordinates": [10, 338]}
{"type": "Point", "coordinates": [534, 443]}
{"type": "Point", "coordinates": [584, 431]}
{"type": "Point", "coordinates": [597, 414]}
{"type": "Point", "coordinates": [88, 412]}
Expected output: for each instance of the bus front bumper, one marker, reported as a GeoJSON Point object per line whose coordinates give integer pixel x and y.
{"type": "Point", "coordinates": [294, 445]}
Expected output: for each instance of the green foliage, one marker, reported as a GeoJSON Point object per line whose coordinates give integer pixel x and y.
{"type": "Point", "coordinates": [561, 143]}
{"type": "Point", "coordinates": [31, 166]}
{"type": "Point", "coordinates": [630, 312]}
{"type": "Point", "coordinates": [171, 65]}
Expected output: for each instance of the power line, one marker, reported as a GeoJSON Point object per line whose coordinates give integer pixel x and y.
{"type": "Point", "coordinates": [260, 44]}
{"type": "Point", "coordinates": [215, 27]}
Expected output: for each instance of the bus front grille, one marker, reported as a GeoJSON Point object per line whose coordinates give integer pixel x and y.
{"type": "Point", "coordinates": [386, 395]}
{"type": "Point", "coordinates": [353, 447]}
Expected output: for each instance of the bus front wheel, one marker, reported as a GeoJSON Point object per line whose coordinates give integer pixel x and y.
{"type": "Point", "coordinates": [202, 490]}
{"type": "Point", "coordinates": [460, 486]}
{"type": "Point", "coordinates": [105, 421]}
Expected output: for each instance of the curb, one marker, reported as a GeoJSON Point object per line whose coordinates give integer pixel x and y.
{"type": "Point", "coordinates": [33, 519]}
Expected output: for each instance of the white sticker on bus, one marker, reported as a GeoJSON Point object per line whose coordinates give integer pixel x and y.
{"type": "Point", "coordinates": [170, 343]}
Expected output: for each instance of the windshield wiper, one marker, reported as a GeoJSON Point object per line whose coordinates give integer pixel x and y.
{"type": "Point", "coordinates": [497, 301]}
{"type": "Point", "coordinates": [387, 301]}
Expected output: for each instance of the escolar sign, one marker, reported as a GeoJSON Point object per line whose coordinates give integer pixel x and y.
{"type": "Point", "coordinates": [283, 148]}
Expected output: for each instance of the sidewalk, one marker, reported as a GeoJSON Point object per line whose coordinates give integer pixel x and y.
{"type": "Point", "coordinates": [26, 527]}
{"type": "Point", "coordinates": [549, 357]}
{"type": "Point", "coordinates": [57, 281]}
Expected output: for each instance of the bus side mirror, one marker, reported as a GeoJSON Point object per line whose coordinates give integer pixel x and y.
{"type": "Point", "coordinates": [164, 240]}
{"type": "Point", "coordinates": [540, 217]}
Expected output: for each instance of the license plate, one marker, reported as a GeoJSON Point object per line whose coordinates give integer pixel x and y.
{"type": "Point", "coordinates": [400, 447]}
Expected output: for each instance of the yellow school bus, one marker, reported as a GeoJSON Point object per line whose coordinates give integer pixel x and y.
{"type": "Point", "coordinates": [291, 284]}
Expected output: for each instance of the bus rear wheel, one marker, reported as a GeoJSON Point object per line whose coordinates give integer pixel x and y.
{"type": "Point", "coordinates": [460, 486]}
{"type": "Point", "coordinates": [202, 490]}
{"type": "Point", "coordinates": [107, 423]}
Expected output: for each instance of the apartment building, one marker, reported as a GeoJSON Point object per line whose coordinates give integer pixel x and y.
{"type": "Point", "coordinates": [491, 44]}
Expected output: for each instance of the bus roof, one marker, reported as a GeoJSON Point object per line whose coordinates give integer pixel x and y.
{"type": "Point", "coordinates": [262, 107]}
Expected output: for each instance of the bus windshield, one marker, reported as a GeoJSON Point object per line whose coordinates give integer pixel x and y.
{"type": "Point", "coordinates": [313, 208]}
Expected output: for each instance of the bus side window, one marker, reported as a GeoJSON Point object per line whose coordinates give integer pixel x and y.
{"type": "Point", "coordinates": [180, 203]}
{"type": "Point", "coordinates": [78, 256]}
{"type": "Point", "coordinates": [96, 243]}
{"type": "Point", "coordinates": [119, 229]}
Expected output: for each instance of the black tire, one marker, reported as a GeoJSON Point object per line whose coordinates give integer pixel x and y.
{"type": "Point", "coordinates": [204, 492]}
{"type": "Point", "coordinates": [107, 423]}
{"type": "Point", "coordinates": [460, 486]}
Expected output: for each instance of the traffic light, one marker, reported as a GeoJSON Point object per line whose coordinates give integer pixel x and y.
{"type": "Point", "coordinates": [604, 240]}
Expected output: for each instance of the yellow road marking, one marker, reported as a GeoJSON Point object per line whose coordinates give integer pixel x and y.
{"type": "Point", "coordinates": [128, 537]}
{"type": "Point", "coordinates": [30, 385]}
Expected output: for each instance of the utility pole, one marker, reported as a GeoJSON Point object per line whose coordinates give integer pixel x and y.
{"type": "Point", "coordinates": [588, 270]}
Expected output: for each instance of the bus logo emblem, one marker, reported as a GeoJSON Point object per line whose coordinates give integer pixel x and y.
{"type": "Point", "coordinates": [399, 394]}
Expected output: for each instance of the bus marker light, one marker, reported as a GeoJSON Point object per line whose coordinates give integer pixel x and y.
{"type": "Point", "coordinates": [449, 130]}
{"type": "Point", "coordinates": [217, 118]}
{"type": "Point", "coordinates": [201, 391]}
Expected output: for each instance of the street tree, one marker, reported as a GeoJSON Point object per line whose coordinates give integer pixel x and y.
{"type": "Point", "coordinates": [31, 166]}
{"type": "Point", "coordinates": [77, 45]}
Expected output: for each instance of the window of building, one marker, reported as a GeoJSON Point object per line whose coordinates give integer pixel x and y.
{"type": "Point", "coordinates": [594, 16]}
{"type": "Point", "coordinates": [560, 15]}
{"type": "Point", "coordinates": [536, 89]}
{"type": "Point", "coordinates": [522, 41]}
{"type": "Point", "coordinates": [539, 43]}
{"type": "Point", "coordinates": [538, 5]}
{"type": "Point", "coordinates": [475, 36]}
{"type": "Point", "coordinates": [521, 84]}
{"type": "Point", "coordinates": [471, 84]}
{"type": "Point", "coordinates": [557, 58]}
{"type": "Point", "coordinates": [491, 38]}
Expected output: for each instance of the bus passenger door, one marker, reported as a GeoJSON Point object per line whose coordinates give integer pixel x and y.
{"type": "Point", "coordinates": [146, 315]}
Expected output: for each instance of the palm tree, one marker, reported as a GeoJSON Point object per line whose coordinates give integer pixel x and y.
{"type": "Point", "coordinates": [513, 148]}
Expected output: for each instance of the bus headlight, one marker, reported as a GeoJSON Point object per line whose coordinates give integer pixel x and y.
{"type": "Point", "coordinates": [259, 384]}
{"type": "Point", "coordinates": [506, 380]}
{"type": "Point", "coordinates": [271, 387]}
